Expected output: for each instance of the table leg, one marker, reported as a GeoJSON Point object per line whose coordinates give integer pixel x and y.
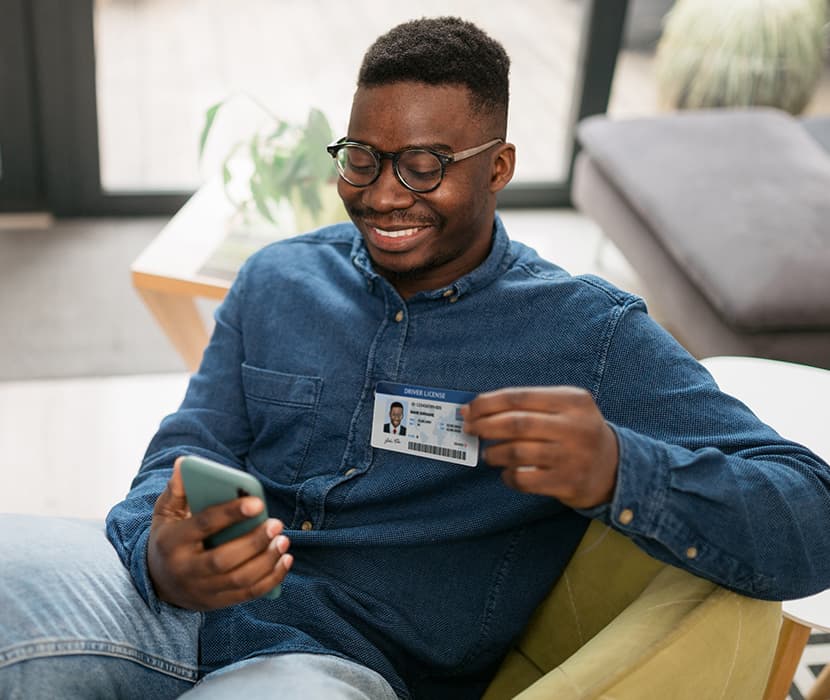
{"type": "Point", "coordinates": [791, 642]}
{"type": "Point", "coordinates": [821, 688]}
{"type": "Point", "coordinates": [180, 319]}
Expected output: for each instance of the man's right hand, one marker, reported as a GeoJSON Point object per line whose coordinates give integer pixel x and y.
{"type": "Point", "coordinates": [186, 574]}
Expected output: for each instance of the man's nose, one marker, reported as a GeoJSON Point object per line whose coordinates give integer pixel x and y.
{"type": "Point", "coordinates": [387, 193]}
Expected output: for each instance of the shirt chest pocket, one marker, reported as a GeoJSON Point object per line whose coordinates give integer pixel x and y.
{"type": "Point", "coordinates": [283, 410]}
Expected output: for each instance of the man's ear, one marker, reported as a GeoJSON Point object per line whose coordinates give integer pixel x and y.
{"type": "Point", "coordinates": [504, 163]}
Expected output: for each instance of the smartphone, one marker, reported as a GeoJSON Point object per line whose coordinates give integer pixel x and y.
{"type": "Point", "coordinates": [208, 483]}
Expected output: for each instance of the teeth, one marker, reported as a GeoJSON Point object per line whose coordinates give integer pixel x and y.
{"type": "Point", "coordinates": [398, 234]}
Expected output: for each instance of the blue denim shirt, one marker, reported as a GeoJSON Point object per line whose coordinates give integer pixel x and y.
{"type": "Point", "coordinates": [425, 570]}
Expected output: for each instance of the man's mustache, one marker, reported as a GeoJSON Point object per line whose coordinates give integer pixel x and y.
{"type": "Point", "coordinates": [397, 217]}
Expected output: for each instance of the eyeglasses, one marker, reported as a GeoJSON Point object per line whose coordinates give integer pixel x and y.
{"type": "Point", "coordinates": [417, 169]}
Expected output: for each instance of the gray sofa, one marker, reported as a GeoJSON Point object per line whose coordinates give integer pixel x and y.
{"type": "Point", "coordinates": [725, 216]}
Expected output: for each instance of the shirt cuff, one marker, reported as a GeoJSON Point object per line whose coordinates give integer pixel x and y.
{"type": "Point", "coordinates": [140, 572]}
{"type": "Point", "coordinates": [641, 488]}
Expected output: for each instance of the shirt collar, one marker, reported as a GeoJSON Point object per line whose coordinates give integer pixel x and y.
{"type": "Point", "coordinates": [497, 261]}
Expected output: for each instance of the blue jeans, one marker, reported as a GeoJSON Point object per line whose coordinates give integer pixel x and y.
{"type": "Point", "coordinates": [72, 625]}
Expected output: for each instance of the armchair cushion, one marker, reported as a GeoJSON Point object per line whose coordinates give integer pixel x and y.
{"type": "Point", "coordinates": [621, 624]}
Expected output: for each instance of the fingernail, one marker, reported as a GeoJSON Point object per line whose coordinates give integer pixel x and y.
{"type": "Point", "coordinates": [251, 506]}
{"type": "Point", "coordinates": [273, 528]}
{"type": "Point", "coordinates": [286, 560]}
{"type": "Point", "coordinates": [280, 544]}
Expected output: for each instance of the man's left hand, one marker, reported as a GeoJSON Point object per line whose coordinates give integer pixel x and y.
{"type": "Point", "coordinates": [550, 440]}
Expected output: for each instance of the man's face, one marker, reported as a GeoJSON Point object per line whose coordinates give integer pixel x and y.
{"type": "Point", "coordinates": [396, 415]}
{"type": "Point", "coordinates": [426, 240]}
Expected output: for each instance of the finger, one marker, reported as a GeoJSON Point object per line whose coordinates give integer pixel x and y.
{"type": "Point", "coordinates": [547, 399]}
{"type": "Point", "coordinates": [231, 555]}
{"type": "Point", "coordinates": [531, 479]}
{"type": "Point", "coordinates": [527, 425]}
{"type": "Point", "coordinates": [253, 570]}
{"type": "Point", "coordinates": [215, 518]}
{"type": "Point", "coordinates": [172, 502]}
{"type": "Point", "coordinates": [176, 482]}
{"type": "Point", "coordinates": [522, 453]}
{"type": "Point", "coordinates": [273, 577]}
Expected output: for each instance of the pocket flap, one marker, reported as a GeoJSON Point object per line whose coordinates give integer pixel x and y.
{"type": "Point", "coordinates": [280, 387]}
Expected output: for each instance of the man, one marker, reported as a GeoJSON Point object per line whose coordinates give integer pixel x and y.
{"type": "Point", "coordinates": [395, 417]}
{"type": "Point", "coordinates": [408, 575]}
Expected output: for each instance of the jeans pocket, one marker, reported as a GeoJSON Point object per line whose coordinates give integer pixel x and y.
{"type": "Point", "coordinates": [282, 409]}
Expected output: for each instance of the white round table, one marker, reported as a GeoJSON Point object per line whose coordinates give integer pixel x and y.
{"type": "Point", "coordinates": [793, 399]}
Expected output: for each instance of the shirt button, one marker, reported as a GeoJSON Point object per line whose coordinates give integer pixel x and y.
{"type": "Point", "coordinates": [453, 300]}
{"type": "Point", "coordinates": [307, 525]}
{"type": "Point", "coordinates": [351, 471]}
{"type": "Point", "coordinates": [449, 292]}
{"type": "Point", "coordinates": [399, 316]}
{"type": "Point", "coordinates": [691, 553]}
{"type": "Point", "coordinates": [626, 516]}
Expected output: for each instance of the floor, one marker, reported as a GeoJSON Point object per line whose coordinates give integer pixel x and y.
{"type": "Point", "coordinates": [67, 304]}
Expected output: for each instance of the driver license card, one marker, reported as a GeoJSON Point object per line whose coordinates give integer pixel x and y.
{"type": "Point", "coordinates": [424, 422]}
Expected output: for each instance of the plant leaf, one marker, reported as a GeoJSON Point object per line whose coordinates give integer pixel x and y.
{"type": "Point", "coordinates": [210, 116]}
{"type": "Point", "coordinates": [260, 199]}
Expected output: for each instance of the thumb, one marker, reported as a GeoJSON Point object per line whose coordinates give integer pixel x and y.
{"type": "Point", "coordinates": [173, 502]}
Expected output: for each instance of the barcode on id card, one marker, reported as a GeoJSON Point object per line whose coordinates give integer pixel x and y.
{"type": "Point", "coordinates": [437, 450]}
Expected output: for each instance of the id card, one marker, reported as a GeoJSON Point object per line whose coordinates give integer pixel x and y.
{"type": "Point", "coordinates": [423, 422]}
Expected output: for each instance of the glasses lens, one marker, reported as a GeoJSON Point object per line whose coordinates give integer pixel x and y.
{"type": "Point", "coordinates": [421, 170]}
{"type": "Point", "coordinates": [357, 165]}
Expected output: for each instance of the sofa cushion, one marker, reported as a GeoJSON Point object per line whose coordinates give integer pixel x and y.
{"type": "Point", "coordinates": [819, 129]}
{"type": "Point", "coordinates": [739, 198]}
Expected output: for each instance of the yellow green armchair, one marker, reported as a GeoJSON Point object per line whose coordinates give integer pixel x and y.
{"type": "Point", "coordinates": [620, 625]}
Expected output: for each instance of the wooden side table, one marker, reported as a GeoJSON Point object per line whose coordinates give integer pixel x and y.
{"type": "Point", "coordinates": [771, 389]}
{"type": "Point", "coordinates": [166, 273]}
{"type": "Point", "coordinates": [198, 253]}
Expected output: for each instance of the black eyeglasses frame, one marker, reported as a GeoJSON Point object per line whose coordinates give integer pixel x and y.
{"type": "Point", "coordinates": [444, 159]}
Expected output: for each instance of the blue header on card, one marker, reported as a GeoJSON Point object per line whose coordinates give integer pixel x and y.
{"type": "Point", "coordinates": [411, 391]}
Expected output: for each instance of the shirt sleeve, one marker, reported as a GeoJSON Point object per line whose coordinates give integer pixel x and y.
{"type": "Point", "coordinates": [212, 422]}
{"type": "Point", "coordinates": [702, 483]}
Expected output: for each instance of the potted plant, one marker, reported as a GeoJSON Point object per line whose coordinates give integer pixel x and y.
{"type": "Point", "coordinates": [282, 164]}
{"type": "Point", "coordinates": [280, 181]}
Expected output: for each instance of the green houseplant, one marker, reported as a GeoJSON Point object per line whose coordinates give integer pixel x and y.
{"type": "Point", "coordinates": [279, 179]}
{"type": "Point", "coordinates": [281, 174]}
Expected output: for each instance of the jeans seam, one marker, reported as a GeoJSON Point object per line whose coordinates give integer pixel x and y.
{"type": "Point", "coordinates": [56, 647]}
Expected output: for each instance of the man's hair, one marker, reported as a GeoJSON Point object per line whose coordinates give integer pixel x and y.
{"type": "Point", "coordinates": [441, 51]}
{"type": "Point", "coordinates": [395, 404]}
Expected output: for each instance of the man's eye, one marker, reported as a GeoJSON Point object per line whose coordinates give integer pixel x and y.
{"type": "Point", "coordinates": [360, 169]}
{"type": "Point", "coordinates": [421, 165]}
{"type": "Point", "coordinates": [424, 175]}
{"type": "Point", "coordinates": [358, 160]}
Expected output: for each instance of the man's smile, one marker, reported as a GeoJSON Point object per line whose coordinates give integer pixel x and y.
{"type": "Point", "coordinates": [396, 239]}
{"type": "Point", "coordinates": [399, 233]}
